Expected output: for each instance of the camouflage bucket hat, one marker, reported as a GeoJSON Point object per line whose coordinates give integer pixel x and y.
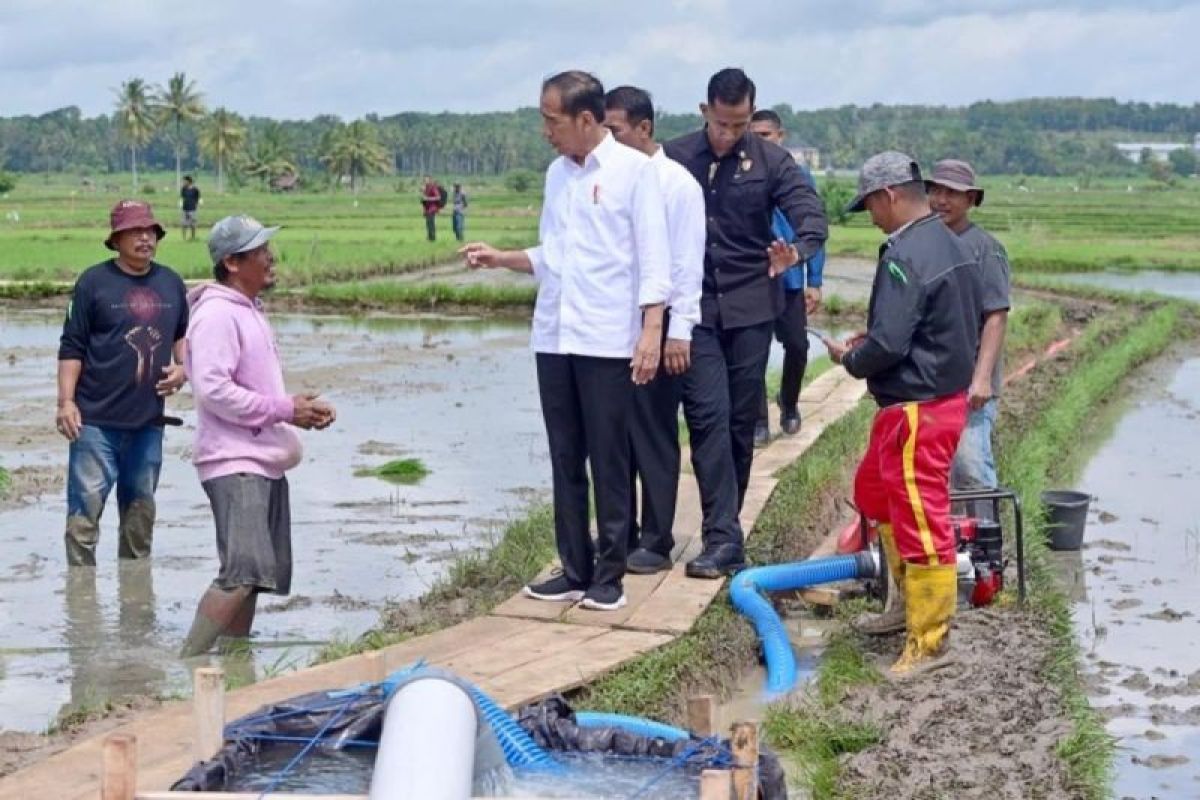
{"type": "Point", "coordinates": [889, 168]}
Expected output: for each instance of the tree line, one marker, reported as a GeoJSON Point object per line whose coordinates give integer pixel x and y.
{"type": "Point", "coordinates": [170, 127]}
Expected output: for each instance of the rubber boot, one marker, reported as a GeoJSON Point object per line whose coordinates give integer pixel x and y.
{"type": "Point", "coordinates": [219, 612]}
{"type": "Point", "coordinates": [892, 619]}
{"type": "Point", "coordinates": [931, 593]}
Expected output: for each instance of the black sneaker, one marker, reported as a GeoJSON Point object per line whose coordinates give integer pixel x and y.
{"type": "Point", "coordinates": [557, 589]}
{"type": "Point", "coordinates": [604, 598]}
{"type": "Point", "coordinates": [717, 561]}
{"type": "Point", "coordinates": [646, 562]}
{"type": "Point", "coordinates": [762, 434]}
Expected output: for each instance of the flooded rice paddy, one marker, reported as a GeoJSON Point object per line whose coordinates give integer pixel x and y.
{"type": "Point", "coordinates": [459, 395]}
{"type": "Point", "coordinates": [1136, 585]}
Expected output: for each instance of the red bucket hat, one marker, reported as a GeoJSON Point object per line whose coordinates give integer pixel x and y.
{"type": "Point", "coordinates": [128, 215]}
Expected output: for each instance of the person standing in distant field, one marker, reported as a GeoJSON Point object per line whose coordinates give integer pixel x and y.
{"type": "Point", "coordinates": [604, 273]}
{"type": "Point", "coordinates": [952, 194]}
{"type": "Point", "coordinates": [744, 179]}
{"type": "Point", "coordinates": [431, 204]}
{"type": "Point", "coordinates": [245, 431]}
{"type": "Point", "coordinates": [799, 300]}
{"type": "Point", "coordinates": [189, 201]}
{"type": "Point", "coordinates": [120, 355]}
{"type": "Point", "coordinates": [654, 429]}
{"type": "Point", "coordinates": [459, 216]}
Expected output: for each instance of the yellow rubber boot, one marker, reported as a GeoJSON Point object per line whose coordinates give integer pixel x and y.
{"type": "Point", "coordinates": [932, 595]}
{"type": "Point", "coordinates": [892, 619]}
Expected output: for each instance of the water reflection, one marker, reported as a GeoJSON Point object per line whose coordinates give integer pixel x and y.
{"type": "Point", "coordinates": [111, 655]}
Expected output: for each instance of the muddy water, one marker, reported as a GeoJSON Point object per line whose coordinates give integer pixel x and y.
{"type": "Point", "coordinates": [1136, 584]}
{"type": "Point", "coordinates": [460, 396]}
{"type": "Point", "coordinates": [1185, 285]}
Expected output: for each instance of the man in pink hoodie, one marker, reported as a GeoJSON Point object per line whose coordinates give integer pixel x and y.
{"type": "Point", "coordinates": [245, 432]}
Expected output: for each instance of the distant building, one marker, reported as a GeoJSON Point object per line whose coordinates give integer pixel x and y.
{"type": "Point", "coordinates": [1159, 151]}
{"type": "Point", "coordinates": [809, 156]}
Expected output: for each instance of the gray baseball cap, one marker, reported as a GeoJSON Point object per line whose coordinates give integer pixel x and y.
{"type": "Point", "coordinates": [237, 234]}
{"type": "Point", "coordinates": [889, 168]}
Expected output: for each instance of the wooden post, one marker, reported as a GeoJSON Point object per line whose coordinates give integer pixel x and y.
{"type": "Point", "coordinates": [374, 665]}
{"type": "Point", "coordinates": [118, 774]}
{"type": "Point", "coordinates": [744, 740]}
{"type": "Point", "coordinates": [715, 784]}
{"type": "Point", "coordinates": [702, 715]}
{"type": "Point", "coordinates": [208, 704]}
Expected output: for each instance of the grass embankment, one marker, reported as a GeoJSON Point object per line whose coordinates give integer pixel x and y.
{"type": "Point", "coordinates": [5, 482]}
{"type": "Point", "coordinates": [722, 645]}
{"type": "Point", "coordinates": [1034, 443]}
{"type": "Point", "coordinates": [421, 296]}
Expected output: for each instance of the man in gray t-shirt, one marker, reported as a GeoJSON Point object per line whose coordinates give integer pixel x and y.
{"type": "Point", "coordinates": [953, 193]}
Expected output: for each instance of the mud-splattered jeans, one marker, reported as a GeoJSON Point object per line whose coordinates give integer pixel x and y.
{"type": "Point", "coordinates": [974, 467]}
{"type": "Point", "coordinates": [99, 458]}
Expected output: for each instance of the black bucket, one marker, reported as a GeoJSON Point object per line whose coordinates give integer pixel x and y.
{"type": "Point", "coordinates": [1066, 517]}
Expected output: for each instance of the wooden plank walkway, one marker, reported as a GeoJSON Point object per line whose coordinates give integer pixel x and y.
{"type": "Point", "coordinates": [523, 651]}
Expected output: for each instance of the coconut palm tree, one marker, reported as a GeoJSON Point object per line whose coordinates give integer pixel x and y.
{"type": "Point", "coordinates": [135, 119]}
{"type": "Point", "coordinates": [221, 137]}
{"type": "Point", "coordinates": [271, 154]}
{"type": "Point", "coordinates": [355, 150]}
{"type": "Point", "coordinates": [177, 104]}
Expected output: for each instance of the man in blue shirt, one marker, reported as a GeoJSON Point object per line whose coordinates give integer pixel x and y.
{"type": "Point", "coordinates": [799, 302]}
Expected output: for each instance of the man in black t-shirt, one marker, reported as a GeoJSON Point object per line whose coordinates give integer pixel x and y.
{"type": "Point", "coordinates": [189, 201]}
{"type": "Point", "coordinates": [126, 319]}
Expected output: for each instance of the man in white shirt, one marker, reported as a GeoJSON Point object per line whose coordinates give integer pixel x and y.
{"type": "Point", "coordinates": [654, 431]}
{"type": "Point", "coordinates": [603, 272]}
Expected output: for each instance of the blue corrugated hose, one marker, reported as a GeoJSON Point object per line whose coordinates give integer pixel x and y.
{"type": "Point", "coordinates": [746, 592]}
{"type": "Point", "coordinates": [636, 725]}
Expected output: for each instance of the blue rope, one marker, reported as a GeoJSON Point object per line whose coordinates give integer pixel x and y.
{"type": "Point", "coordinates": [680, 761]}
{"type": "Point", "coordinates": [304, 751]}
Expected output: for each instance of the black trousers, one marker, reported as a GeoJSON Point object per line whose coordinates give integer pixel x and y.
{"type": "Point", "coordinates": [790, 331]}
{"type": "Point", "coordinates": [722, 393]}
{"type": "Point", "coordinates": [586, 404]}
{"type": "Point", "coordinates": [431, 227]}
{"type": "Point", "coordinates": [654, 446]}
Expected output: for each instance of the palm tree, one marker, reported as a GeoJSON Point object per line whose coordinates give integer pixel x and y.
{"type": "Point", "coordinates": [177, 104]}
{"type": "Point", "coordinates": [135, 118]}
{"type": "Point", "coordinates": [271, 156]}
{"type": "Point", "coordinates": [221, 138]}
{"type": "Point", "coordinates": [354, 150]}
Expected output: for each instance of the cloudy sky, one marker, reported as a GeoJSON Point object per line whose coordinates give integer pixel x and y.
{"type": "Point", "coordinates": [301, 58]}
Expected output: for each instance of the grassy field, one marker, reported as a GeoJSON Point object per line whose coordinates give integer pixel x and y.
{"type": "Point", "coordinates": [1047, 224]}
{"type": "Point", "coordinates": [326, 236]}
{"type": "Point", "coordinates": [1051, 225]}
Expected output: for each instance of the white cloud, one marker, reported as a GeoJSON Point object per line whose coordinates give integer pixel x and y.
{"type": "Point", "coordinates": [305, 57]}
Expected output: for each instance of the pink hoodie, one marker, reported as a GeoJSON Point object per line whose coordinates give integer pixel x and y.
{"type": "Point", "coordinates": [242, 408]}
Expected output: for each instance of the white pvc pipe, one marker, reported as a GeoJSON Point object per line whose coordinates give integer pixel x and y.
{"type": "Point", "coordinates": [427, 747]}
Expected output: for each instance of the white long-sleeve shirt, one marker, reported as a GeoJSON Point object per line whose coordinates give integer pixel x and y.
{"type": "Point", "coordinates": [604, 253]}
{"type": "Point", "coordinates": [684, 201]}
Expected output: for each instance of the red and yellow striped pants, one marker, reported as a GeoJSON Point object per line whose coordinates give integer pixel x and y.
{"type": "Point", "coordinates": [904, 477]}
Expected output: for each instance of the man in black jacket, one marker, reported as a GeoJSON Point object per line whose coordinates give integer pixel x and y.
{"type": "Point", "coordinates": [744, 179]}
{"type": "Point", "coordinates": [918, 357]}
